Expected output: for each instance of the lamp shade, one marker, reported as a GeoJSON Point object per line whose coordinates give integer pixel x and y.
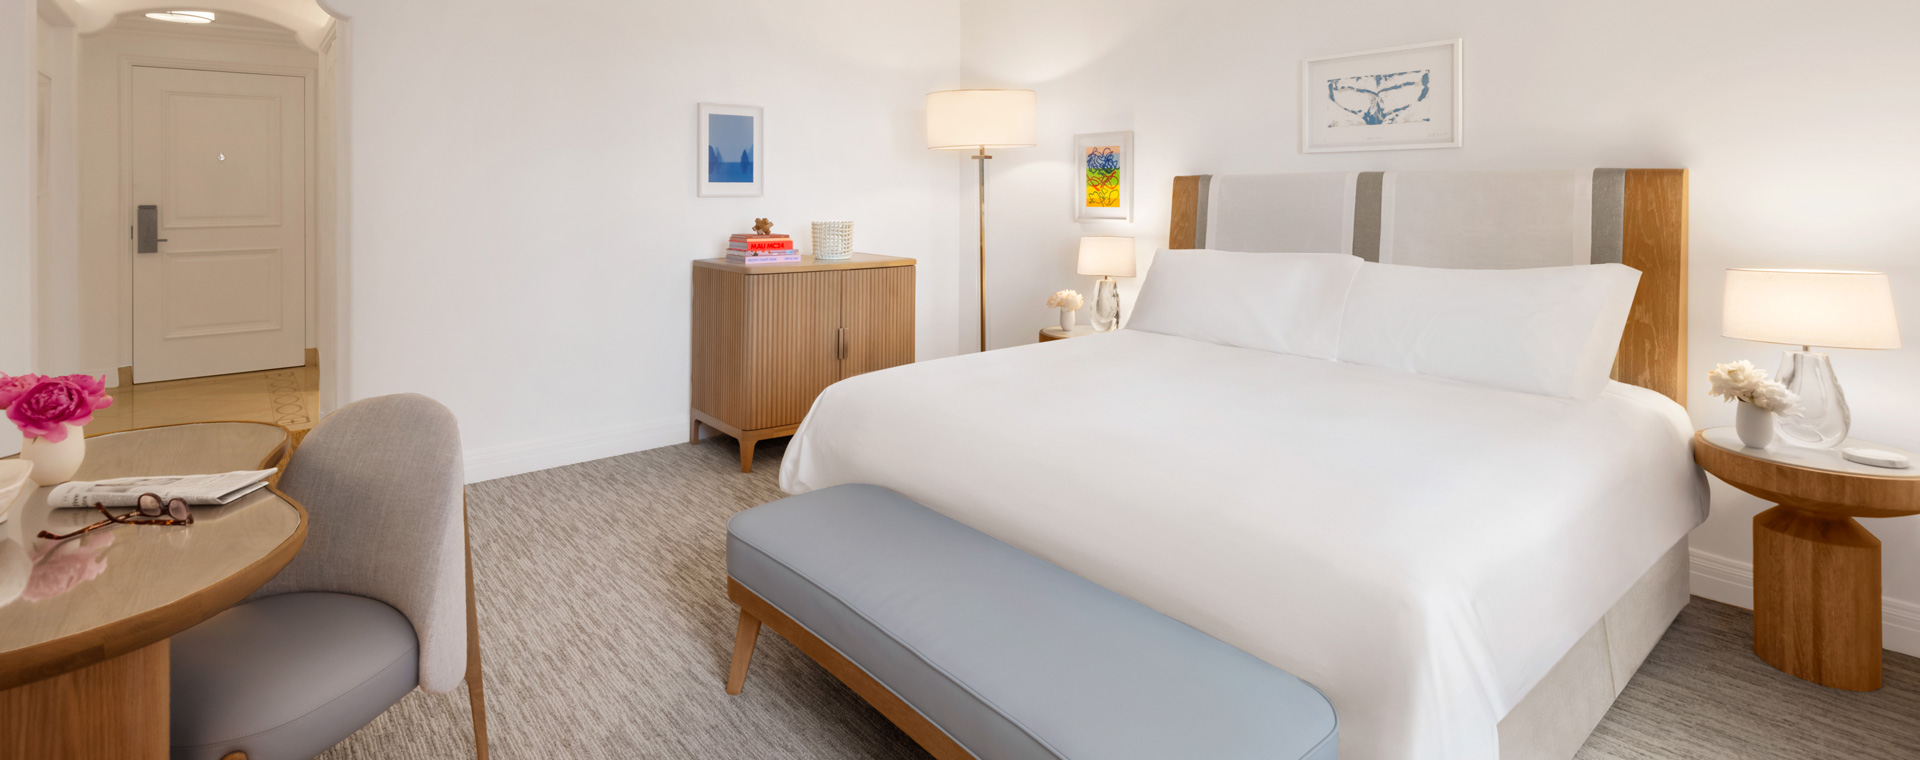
{"type": "Point", "coordinates": [1809, 307]}
{"type": "Point", "coordinates": [968, 119]}
{"type": "Point", "coordinates": [1107, 256]}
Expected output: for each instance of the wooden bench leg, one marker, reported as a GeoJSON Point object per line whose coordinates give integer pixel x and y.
{"type": "Point", "coordinates": [744, 636]}
{"type": "Point", "coordinates": [746, 454]}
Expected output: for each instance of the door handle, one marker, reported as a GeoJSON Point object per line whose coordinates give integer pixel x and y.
{"type": "Point", "coordinates": [147, 237]}
{"type": "Point", "coordinates": [840, 351]}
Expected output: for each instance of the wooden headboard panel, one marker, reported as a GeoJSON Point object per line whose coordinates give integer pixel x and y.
{"type": "Point", "coordinates": [1653, 351]}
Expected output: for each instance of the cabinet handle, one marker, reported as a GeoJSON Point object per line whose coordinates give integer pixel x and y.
{"type": "Point", "coordinates": [840, 351]}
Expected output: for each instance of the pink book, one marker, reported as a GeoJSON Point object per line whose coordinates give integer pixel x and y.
{"type": "Point", "coordinates": [752, 261]}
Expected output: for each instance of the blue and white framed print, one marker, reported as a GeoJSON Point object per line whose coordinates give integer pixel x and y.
{"type": "Point", "coordinates": [1394, 98]}
{"type": "Point", "coordinates": [732, 162]}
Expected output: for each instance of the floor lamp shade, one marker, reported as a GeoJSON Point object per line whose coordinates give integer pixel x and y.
{"type": "Point", "coordinates": [969, 119]}
{"type": "Point", "coordinates": [1805, 307]}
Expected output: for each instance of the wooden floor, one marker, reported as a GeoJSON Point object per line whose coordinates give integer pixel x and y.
{"type": "Point", "coordinates": [288, 397]}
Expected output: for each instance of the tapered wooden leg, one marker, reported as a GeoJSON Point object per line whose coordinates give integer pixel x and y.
{"type": "Point", "coordinates": [115, 709]}
{"type": "Point", "coordinates": [746, 454]}
{"type": "Point", "coordinates": [744, 636]}
{"type": "Point", "coordinates": [693, 430]}
{"type": "Point", "coordinates": [476, 681]}
{"type": "Point", "coordinates": [1816, 598]}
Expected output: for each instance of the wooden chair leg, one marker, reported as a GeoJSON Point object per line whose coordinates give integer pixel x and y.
{"type": "Point", "coordinates": [476, 682]}
{"type": "Point", "coordinates": [746, 454]}
{"type": "Point", "coordinates": [744, 636]}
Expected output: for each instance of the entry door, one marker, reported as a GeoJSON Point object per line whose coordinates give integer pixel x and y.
{"type": "Point", "coordinates": [222, 158]}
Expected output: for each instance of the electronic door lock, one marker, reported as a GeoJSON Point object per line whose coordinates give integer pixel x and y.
{"type": "Point", "coordinates": [147, 230]}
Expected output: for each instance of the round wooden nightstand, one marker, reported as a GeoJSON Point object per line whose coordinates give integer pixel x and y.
{"type": "Point", "coordinates": [1816, 571]}
{"type": "Point", "coordinates": [1055, 333]}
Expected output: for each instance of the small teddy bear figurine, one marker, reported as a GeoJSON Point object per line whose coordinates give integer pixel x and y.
{"type": "Point", "coordinates": [763, 226]}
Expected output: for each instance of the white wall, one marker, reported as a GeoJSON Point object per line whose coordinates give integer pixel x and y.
{"type": "Point", "coordinates": [57, 244]}
{"type": "Point", "coordinates": [105, 278]}
{"type": "Point", "coordinates": [523, 208]}
{"type": "Point", "coordinates": [1799, 156]}
{"type": "Point", "coordinates": [19, 95]}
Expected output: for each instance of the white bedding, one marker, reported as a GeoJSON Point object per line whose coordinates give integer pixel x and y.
{"type": "Point", "coordinates": [1421, 549]}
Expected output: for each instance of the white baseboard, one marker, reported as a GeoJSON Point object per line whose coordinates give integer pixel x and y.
{"type": "Point", "coordinates": [573, 448]}
{"type": "Point", "coordinates": [1731, 581]}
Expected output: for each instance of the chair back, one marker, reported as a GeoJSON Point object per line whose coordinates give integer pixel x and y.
{"type": "Point", "coordinates": [382, 482]}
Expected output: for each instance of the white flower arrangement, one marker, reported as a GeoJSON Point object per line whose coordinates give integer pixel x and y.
{"type": "Point", "coordinates": [1741, 381]}
{"type": "Point", "coordinates": [1066, 299]}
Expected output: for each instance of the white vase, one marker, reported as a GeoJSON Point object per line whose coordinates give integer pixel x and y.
{"type": "Point", "coordinates": [55, 463]}
{"type": "Point", "coordinates": [1066, 319]}
{"type": "Point", "coordinates": [1755, 426]}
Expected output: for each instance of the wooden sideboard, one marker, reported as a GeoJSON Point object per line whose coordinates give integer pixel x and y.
{"type": "Point", "coordinates": [768, 339]}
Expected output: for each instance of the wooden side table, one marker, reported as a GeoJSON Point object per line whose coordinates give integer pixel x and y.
{"type": "Point", "coordinates": [1816, 571]}
{"type": "Point", "coordinates": [1055, 333]}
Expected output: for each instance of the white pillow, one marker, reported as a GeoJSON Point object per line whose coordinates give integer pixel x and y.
{"type": "Point", "coordinates": [1288, 303]}
{"type": "Point", "coordinates": [1550, 331]}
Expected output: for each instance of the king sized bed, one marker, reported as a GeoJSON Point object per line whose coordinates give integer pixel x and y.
{"type": "Point", "coordinates": [1470, 564]}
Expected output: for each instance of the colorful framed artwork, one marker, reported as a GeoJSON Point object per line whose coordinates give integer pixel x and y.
{"type": "Point", "coordinates": [1103, 181]}
{"type": "Point", "coordinates": [731, 160]}
{"type": "Point", "coordinates": [1397, 98]}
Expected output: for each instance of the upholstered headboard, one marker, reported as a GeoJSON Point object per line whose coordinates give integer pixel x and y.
{"type": "Point", "coordinates": [1487, 220]}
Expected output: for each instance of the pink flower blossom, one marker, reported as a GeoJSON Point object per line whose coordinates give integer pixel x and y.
{"type": "Point", "coordinates": [94, 387]}
{"type": "Point", "coordinates": [47, 408]}
{"type": "Point", "coordinates": [12, 386]}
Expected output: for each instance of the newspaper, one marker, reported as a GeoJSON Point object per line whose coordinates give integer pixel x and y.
{"type": "Point", "coordinates": [198, 490]}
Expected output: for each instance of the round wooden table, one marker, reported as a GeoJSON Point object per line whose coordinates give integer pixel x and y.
{"type": "Point", "coordinates": [1816, 570]}
{"type": "Point", "coordinates": [83, 637]}
{"type": "Point", "coordinates": [1055, 333]}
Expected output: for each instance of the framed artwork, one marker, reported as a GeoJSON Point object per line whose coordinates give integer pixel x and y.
{"type": "Point", "coordinates": [731, 159]}
{"type": "Point", "coordinates": [1395, 98]}
{"type": "Point", "coordinates": [1103, 186]}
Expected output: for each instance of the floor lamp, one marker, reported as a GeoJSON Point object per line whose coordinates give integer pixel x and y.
{"type": "Point", "coordinates": [977, 120]}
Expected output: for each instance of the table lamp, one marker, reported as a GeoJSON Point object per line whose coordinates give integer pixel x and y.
{"type": "Point", "coordinates": [1106, 258]}
{"type": "Point", "coordinates": [1809, 308]}
{"type": "Point", "coordinates": [978, 120]}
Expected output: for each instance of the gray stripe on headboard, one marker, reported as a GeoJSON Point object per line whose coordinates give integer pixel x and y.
{"type": "Point", "coordinates": [1609, 215]}
{"type": "Point", "coordinates": [1366, 216]}
{"type": "Point", "coordinates": [1200, 214]}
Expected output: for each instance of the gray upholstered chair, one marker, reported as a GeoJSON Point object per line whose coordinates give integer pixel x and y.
{"type": "Point", "coordinates": [379, 600]}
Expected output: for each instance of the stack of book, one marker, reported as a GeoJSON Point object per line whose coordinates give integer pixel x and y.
{"type": "Point", "coordinates": [755, 250]}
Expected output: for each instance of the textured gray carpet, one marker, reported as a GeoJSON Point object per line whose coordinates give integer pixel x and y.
{"type": "Point", "coordinates": [607, 632]}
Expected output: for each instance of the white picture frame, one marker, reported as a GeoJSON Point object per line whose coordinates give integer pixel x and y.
{"type": "Point", "coordinates": [724, 134]}
{"type": "Point", "coordinates": [1408, 97]}
{"type": "Point", "coordinates": [1115, 202]}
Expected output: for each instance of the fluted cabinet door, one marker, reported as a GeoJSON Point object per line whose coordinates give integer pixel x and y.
{"type": "Point", "coordinates": [793, 323]}
{"type": "Point", "coordinates": [876, 310]}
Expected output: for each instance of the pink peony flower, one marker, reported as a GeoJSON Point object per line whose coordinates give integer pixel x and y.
{"type": "Point", "coordinates": [94, 387]}
{"type": "Point", "coordinates": [12, 386]}
{"type": "Point", "coordinates": [47, 408]}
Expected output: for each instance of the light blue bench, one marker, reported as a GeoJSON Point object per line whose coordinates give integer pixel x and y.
{"type": "Point", "coordinates": [979, 650]}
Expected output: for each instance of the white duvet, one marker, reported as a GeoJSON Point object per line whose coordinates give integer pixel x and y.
{"type": "Point", "coordinates": [1422, 550]}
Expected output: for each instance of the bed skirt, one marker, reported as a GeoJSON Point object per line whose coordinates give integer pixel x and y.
{"type": "Point", "coordinates": [1553, 721]}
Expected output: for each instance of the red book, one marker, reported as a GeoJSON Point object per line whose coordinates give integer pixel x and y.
{"type": "Point", "coordinates": [776, 245]}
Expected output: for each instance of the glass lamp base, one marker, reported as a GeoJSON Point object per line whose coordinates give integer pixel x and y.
{"type": "Point", "coordinates": [1822, 419]}
{"type": "Point", "coordinates": [1106, 305]}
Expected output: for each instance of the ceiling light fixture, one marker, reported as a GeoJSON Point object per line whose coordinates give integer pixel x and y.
{"type": "Point", "coordinates": [183, 17]}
